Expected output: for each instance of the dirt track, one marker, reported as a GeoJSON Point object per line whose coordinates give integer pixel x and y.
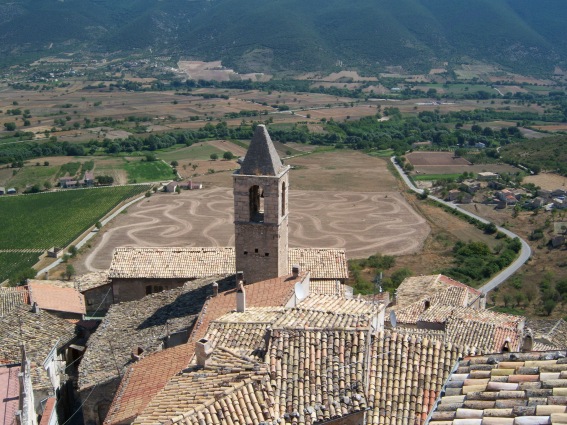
{"type": "Point", "coordinates": [362, 223]}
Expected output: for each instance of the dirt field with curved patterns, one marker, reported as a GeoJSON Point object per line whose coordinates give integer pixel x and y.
{"type": "Point", "coordinates": [363, 223]}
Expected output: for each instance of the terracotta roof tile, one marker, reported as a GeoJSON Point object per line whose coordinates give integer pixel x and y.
{"type": "Point", "coordinates": [48, 411]}
{"type": "Point", "coordinates": [40, 331]}
{"type": "Point", "coordinates": [9, 394]}
{"type": "Point", "coordinates": [339, 304]}
{"type": "Point", "coordinates": [142, 323]}
{"type": "Point", "coordinates": [11, 297]}
{"type": "Point", "coordinates": [190, 263]}
{"type": "Point", "coordinates": [329, 287]}
{"type": "Point", "coordinates": [548, 333]}
{"type": "Point", "coordinates": [144, 379]}
{"type": "Point", "coordinates": [56, 298]}
{"type": "Point", "coordinates": [517, 388]}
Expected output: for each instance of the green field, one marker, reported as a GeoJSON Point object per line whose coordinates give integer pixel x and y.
{"type": "Point", "coordinates": [56, 218]}
{"type": "Point", "coordinates": [144, 171]}
{"type": "Point", "coordinates": [30, 175]}
{"type": "Point", "coordinates": [12, 262]}
{"type": "Point", "coordinates": [433, 177]}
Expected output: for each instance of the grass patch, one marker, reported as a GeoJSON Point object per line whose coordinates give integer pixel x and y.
{"type": "Point", "coordinates": [147, 171]}
{"type": "Point", "coordinates": [385, 153]}
{"type": "Point", "coordinates": [31, 175]}
{"type": "Point", "coordinates": [72, 168]}
{"type": "Point", "coordinates": [433, 177]}
{"type": "Point", "coordinates": [56, 218]}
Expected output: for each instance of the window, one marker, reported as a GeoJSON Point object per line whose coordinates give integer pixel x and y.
{"type": "Point", "coordinates": [256, 203]}
{"type": "Point", "coordinates": [283, 199]}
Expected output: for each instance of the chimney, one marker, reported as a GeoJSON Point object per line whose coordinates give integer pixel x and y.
{"type": "Point", "coordinates": [203, 351]}
{"type": "Point", "coordinates": [240, 298]}
{"type": "Point", "coordinates": [215, 289]}
{"type": "Point", "coordinates": [35, 308]}
{"type": "Point", "coordinates": [239, 277]}
{"type": "Point", "coordinates": [136, 353]}
{"type": "Point", "coordinates": [295, 269]}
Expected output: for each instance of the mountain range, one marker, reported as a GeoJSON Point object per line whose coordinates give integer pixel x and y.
{"type": "Point", "coordinates": [296, 35]}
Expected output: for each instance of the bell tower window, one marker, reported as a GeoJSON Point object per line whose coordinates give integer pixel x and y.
{"type": "Point", "coordinates": [283, 199]}
{"type": "Point", "coordinates": [256, 202]}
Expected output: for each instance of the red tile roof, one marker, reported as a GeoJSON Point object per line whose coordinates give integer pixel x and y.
{"type": "Point", "coordinates": [146, 378]}
{"type": "Point", "coordinates": [56, 298]}
{"type": "Point", "coordinates": [9, 394]}
{"type": "Point", "coordinates": [48, 411]}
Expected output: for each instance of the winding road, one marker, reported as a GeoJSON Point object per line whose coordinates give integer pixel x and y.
{"type": "Point", "coordinates": [525, 252]}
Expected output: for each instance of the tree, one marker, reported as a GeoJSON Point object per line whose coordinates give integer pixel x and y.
{"type": "Point", "coordinates": [399, 275]}
{"type": "Point", "coordinates": [228, 155]}
{"type": "Point", "coordinates": [46, 163]}
{"type": "Point", "coordinates": [174, 163]}
{"type": "Point", "coordinates": [47, 185]}
{"type": "Point", "coordinates": [549, 305]}
{"type": "Point", "coordinates": [459, 153]}
{"type": "Point", "coordinates": [69, 271]}
{"type": "Point", "coordinates": [214, 156]}
{"type": "Point", "coordinates": [73, 250]}
{"type": "Point", "coordinates": [10, 126]}
{"type": "Point", "coordinates": [98, 225]}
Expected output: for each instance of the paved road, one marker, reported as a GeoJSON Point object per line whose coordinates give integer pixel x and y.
{"type": "Point", "coordinates": [525, 252]}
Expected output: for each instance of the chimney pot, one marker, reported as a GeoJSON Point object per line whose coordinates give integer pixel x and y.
{"type": "Point", "coordinates": [239, 277]}
{"type": "Point", "coordinates": [35, 308]}
{"type": "Point", "coordinates": [295, 269]}
{"type": "Point", "coordinates": [215, 289]}
{"type": "Point", "coordinates": [240, 298]}
{"type": "Point", "coordinates": [203, 351]}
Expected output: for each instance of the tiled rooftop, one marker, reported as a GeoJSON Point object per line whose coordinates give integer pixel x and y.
{"type": "Point", "coordinates": [305, 318]}
{"type": "Point", "coordinates": [548, 333]}
{"type": "Point", "coordinates": [144, 379]}
{"type": "Point", "coordinates": [91, 280]}
{"type": "Point", "coordinates": [419, 288]}
{"type": "Point", "coordinates": [131, 262]}
{"type": "Point", "coordinates": [39, 331]}
{"type": "Point", "coordinates": [406, 376]}
{"type": "Point", "coordinates": [273, 292]}
{"type": "Point", "coordinates": [506, 389]}
{"type": "Point", "coordinates": [229, 389]}
{"type": "Point", "coordinates": [484, 329]}
{"type": "Point", "coordinates": [337, 304]}
{"type": "Point", "coordinates": [142, 323]}
{"type": "Point", "coordinates": [329, 287]}
{"type": "Point", "coordinates": [56, 298]}
{"type": "Point", "coordinates": [9, 394]}
{"type": "Point", "coordinates": [189, 263]}
{"type": "Point", "coordinates": [12, 297]}
{"type": "Point", "coordinates": [317, 375]}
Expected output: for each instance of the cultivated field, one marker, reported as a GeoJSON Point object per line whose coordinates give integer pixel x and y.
{"type": "Point", "coordinates": [548, 181]}
{"type": "Point", "coordinates": [33, 223]}
{"type": "Point", "coordinates": [435, 159]}
{"type": "Point", "coordinates": [361, 222]}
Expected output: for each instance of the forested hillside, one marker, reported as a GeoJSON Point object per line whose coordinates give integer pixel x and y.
{"type": "Point", "coordinates": [298, 35]}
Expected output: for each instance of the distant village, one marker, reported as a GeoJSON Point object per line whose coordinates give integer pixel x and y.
{"type": "Point", "coordinates": [264, 333]}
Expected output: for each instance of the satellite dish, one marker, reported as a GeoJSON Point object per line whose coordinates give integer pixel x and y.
{"type": "Point", "coordinates": [299, 292]}
{"type": "Point", "coordinates": [393, 320]}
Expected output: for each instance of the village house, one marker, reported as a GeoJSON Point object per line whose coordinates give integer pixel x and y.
{"type": "Point", "coordinates": [487, 176]}
{"type": "Point", "coordinates": [59, 300]}
{"type": "Point", "coordinates": [470, 186]}
{"type": "Point", "coordinates": [171, 187]}
{"type": "Point", "coordinates": [48, 342]}
{"type": "Point", "coordinates": [190, 185]}
{"type": "Point", "coordinates": [2, 190]}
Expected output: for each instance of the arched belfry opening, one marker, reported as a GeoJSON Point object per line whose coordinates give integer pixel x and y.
{"type": "Point", "coordinates": [283, 198]}
{"type": "Point", "coordinates": [256, 202]}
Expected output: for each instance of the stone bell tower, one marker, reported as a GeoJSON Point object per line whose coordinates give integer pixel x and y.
{"type": "Point", "coordinates": [261, 190]}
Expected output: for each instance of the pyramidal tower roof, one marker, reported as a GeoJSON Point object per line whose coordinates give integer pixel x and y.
{"type": "Point", "coordinates": [261, 158]}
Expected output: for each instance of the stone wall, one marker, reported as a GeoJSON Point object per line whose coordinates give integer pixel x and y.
{"type": "Point", "coordinates": [135, 289]}
{"type": "Point", "coordinates": [97, 401]}
{"type": "Point", "coordinates": [98, 299]}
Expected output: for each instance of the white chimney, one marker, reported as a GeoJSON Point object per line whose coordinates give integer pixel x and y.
{"type": "Point", "coordinates": [203, 351]}
{"type": "Point", "coordinates": [215, 289]}
{"type": "Point", "coordinates": [240, 298]}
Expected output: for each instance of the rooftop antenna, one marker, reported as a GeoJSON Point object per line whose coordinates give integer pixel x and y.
{"type": "Point", "coordinates": [377, 285]}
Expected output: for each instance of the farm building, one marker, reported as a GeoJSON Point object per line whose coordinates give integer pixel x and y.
{"type": "Point", "coordinates": [190, 185]}
{"type": "Point", "coordinates": [2, 190]}
{"type": "Point", "coordinates": [171, 187]}
{"type": "Point", "coordinates": [487, 175]}
{"type": "Point", "coordinates": [11, 191]}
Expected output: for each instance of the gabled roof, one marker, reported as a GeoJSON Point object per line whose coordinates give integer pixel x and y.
{"type": "Point", "coordinates": [230, 389]}
{"type": "Point", "coordinates": [134, 394]}
{"type": "Point", "coordinates": [142, 323]}
{"type": "Point", "coordinates": [196, 263]}
{"type": "Point", "coordinates": [507, 389]}
{"type": "Point", "coordinates": [39, 331]}
{"type": "Point", "coordinates": [56, 298]}
{"type": "Point", "coordinates": [9, 394]}
{"type": "Point", "coordinates": [261, 157]}
{"type": "Point", "coordinates": [12, 297]}
{"type": "Point", "coordinates": [144, 379]}
{"type": "Point", "coordinates": [407, 374]}
{"type": "Point", "coordinates": [167, 262]}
